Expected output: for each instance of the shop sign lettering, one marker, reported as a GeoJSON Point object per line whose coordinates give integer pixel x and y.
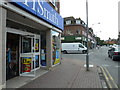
{"type": "Point", "coordinates": [43, 10]}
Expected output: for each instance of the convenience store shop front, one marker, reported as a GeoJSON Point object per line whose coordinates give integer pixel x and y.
{"type": "Point", "coordinates": [24, 34]}
{"type": "Point", "coordinates": [22, 53]}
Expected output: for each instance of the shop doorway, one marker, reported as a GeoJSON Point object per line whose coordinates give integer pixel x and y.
{"type": "Point", "coordinates": [22, 53]}
{"type": "Point", "coordinates": [12, 56]}
{"type": "Point", "coordinates": [29, 55]}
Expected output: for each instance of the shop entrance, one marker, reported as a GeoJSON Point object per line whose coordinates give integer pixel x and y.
{"type": "Point", "coordinates": [22, 53]}
{"type": "Point", "coordinates": [30, 54]}
{"type": "Point", "coordinates": [12, 56]}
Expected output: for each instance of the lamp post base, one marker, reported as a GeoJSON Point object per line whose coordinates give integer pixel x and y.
{"type": "Point", "coordinates": [87, 62]}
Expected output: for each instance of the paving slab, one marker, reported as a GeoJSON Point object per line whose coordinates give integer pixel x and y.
{"type": "Point", "coordinates": [69, 74]}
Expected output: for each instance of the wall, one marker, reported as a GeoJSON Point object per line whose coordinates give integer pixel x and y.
{"type": "Point", "coordinates": [73, 29]}
{"type": "Point", "coordinates": [2, 47]}
{"type": "Point", "coordinates": [49, 48]}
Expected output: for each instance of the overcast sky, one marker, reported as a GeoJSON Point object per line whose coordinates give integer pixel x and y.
{"type": "Point", "coordinates": [103, 11]}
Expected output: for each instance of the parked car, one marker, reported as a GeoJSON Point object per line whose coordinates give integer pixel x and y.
{"type": "Point", "coordinates": [114, 53]}
{"type": "Point", "coordinates": [110, 46]}
{"type": "Point", "coordinates": [73, 48]}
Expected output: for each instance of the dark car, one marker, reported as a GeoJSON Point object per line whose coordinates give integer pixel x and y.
{"type": "Point", "coordinates": [114, 53]}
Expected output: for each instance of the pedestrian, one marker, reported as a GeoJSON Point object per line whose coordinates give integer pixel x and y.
{"type": "Point", "coordinates": [98, 46]}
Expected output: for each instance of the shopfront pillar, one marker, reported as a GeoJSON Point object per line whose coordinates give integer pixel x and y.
{"type": "Point", "coordinates": [49, 49]}
{"type": "Point", "coordinates": [60, 48]}
{"type": "Point", "coordinates": [2, 47]}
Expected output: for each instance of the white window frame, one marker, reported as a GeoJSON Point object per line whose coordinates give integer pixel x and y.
{"type": "Point", "coordinates": [78, 22]}
{"type": "Point", "coordinates": [68, 22]}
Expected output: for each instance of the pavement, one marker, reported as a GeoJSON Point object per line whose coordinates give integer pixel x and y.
{"type": "Point", "coordinates": [69, 74]}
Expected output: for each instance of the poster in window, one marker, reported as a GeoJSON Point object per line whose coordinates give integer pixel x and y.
{"type": "Point", "coordinates": [57, 57]}
{"type": "Point", "coordinates": [36, 61]}
{"type": "Point", "coordinates": [26, 64]}
{"type": "Point", "coordinates": [37, 45]}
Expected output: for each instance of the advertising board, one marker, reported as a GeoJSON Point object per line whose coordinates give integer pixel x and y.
{"type": "Point", "coordinates": [26, 64]}
{"type": "Point", "coordinates": [41, 9]}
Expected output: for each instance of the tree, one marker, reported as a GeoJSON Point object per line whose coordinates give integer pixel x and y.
{"type": "Point", "coordinates": [97, 40]}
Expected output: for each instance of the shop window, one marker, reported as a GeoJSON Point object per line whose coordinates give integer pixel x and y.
{"type": "Point", "coordinates": [43, 50]}
{"type": "Point", "coordinates": [37, 45]}
{"type": "Point", "coordinates": [56, 47]}
{"type": "Point", "coordinates": [26, 64]}
{"type": "Point", "coordinates": [26, 47]}
{"type": "Point", "coordinates": [36, 61]}
{"type": "Point", "coordinates": [12, 51]}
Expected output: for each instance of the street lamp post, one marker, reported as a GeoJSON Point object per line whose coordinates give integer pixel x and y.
{"type": "Point", "coordinates": [87, 56]}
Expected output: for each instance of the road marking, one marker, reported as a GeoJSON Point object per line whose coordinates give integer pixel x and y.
{"type": "Point", "coordinates": [117, 66]}
{"type": "Point", "coordinates": [111, 78]}
{"type": "Point", "coordinates": [108, 73]}
{"type": "Point", "coordinates": [104, 73]}
{"type": "Point", "coordinates": [106, 65]}
{"type": "Point", "coordinates": [90, 53]}
{"type": "Point", "coordinates": [89, 65]}
{"type": "Point", "coordinates": [106, 77]}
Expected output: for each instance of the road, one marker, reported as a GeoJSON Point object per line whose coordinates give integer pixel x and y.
{"type": "Point", "coordinates": [99, 57]}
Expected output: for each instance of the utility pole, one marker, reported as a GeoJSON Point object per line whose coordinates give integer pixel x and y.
{"type": "Point", "coordinates": [87, 56]}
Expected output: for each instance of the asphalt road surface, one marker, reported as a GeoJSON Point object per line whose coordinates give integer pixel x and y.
{"type": "Point", "coordinates": [100, 57]}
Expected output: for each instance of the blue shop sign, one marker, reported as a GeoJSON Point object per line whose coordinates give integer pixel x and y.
{"type": "Point", "coordinates": [43, 10]}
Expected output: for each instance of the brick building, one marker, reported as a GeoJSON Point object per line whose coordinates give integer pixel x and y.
{"type": "Point", "coordinates": [111, 42]}
{"type": "Point", "coordinates": [75, 31]}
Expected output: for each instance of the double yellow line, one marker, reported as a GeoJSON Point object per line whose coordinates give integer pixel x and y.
{"type": "Point", "coordinates": [110, 81]}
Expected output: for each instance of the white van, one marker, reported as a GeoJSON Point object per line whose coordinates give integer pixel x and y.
{"type": "Point", "coordinates": [73, 48]}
